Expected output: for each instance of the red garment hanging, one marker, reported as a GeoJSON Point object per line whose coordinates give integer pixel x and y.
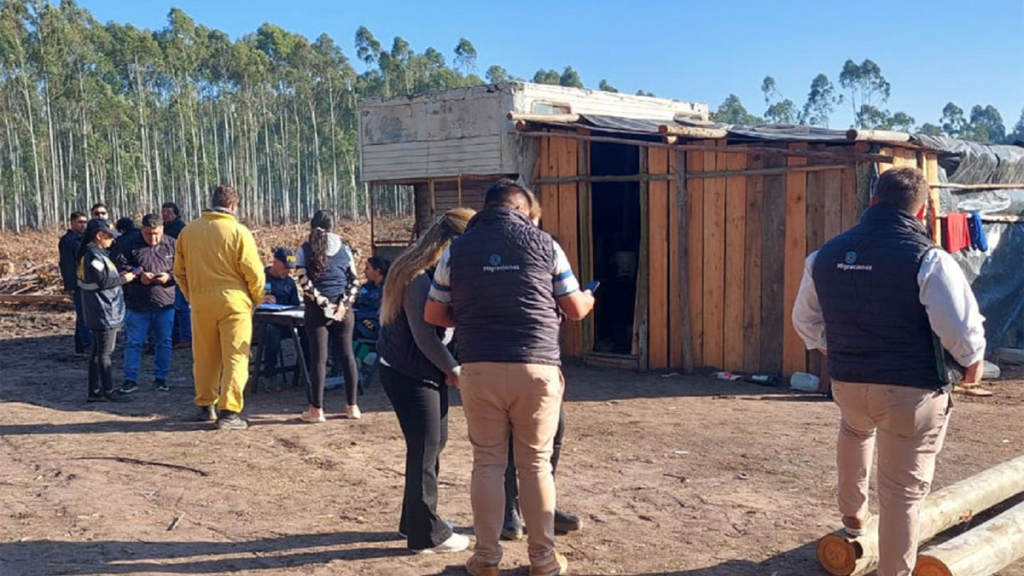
{"type": "Point", "coordinates": [955, 234]}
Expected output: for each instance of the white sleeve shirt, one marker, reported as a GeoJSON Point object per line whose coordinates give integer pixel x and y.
{"type": "Point", "coordinates": [944, 292]}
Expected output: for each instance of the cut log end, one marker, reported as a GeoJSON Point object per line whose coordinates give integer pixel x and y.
{"type": "Point", "coordinates": [838, 555]}
{"type": "Point", "coordinates": [928, 566]}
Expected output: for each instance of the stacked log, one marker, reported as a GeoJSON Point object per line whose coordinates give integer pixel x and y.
{"type": "Point", "coordinates": [943, 509]}
{"type": "Point", "coordinates": [978, 552]}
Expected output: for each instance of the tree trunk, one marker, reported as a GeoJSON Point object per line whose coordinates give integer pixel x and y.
{"type": "Point", "coordinates": [981, 551]}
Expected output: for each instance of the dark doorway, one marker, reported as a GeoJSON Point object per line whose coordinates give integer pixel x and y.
{"type": "Point", "coordinates": [615, 229]}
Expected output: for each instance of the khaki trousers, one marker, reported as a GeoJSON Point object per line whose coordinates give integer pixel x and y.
{"type": "Point", "coordinates": [521, 400]}
{"type": "Point", "coordinates": [911, 426]}
{"type": "Point", "coordinates": [221, 335]}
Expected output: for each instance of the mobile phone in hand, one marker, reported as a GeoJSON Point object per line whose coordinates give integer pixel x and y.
{"type": "Point", "coordinates": [137, 270]}
{"type": "Point", "coordinates": [592, 286]}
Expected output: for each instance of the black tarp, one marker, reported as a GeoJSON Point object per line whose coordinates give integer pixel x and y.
{"type": "Point", "coordinates": [997, 276]}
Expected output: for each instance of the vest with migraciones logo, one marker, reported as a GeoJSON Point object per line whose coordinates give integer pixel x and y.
{"type": "Point", "coordinates": [875, 325]}
{"type": "Point", "coordinates": [503, 297]}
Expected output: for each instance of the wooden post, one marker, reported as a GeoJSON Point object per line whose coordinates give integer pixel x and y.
{"type": "Point", "coordinates": [794, 354]}
{"type": "Point", "coordinates": [640, 313]}
{"type": "Point", "coordinates": [586, 270]}
{"type": "Point", "coordinates": [980, 551]}
{"type": "Point", "coordinates": [942, 510]}
{"type": "Point", "coordinates": [459, 184]}
{"type": "Point", "coordinates": [931, 162]}
{"type": "Point", "coordinates": [433, 207]}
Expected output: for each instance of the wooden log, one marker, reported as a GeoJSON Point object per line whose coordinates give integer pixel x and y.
{"type": "Point", "coordinates": [877, 135]}
{"type": "Point", "coordinates": [692, 131]}
{"type": "Point", "coordinates": [34, 298]}
{"type": "Point", "coordinates": [556, 118]}
{"type": "Point", "coordinates": [941, 511]}
{"type": "Point", "coordinates": [981, 551]}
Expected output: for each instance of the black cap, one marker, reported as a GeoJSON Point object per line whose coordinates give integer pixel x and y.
{"type": "Point", "coordinates": [100, 225]}
{"type": "Point", "coordinates": [287, 256]}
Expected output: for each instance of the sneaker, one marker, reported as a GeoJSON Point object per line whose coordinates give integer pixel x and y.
{"type": "Point", "coordinates": [561, 566]}
{"type": "Point", "coordinates": [454, 543]}
{"type": "Point", "coordinates": [231, 421]}
{"type": "Point", "coordinates": [352, 413]}
{"type": "Point", "coordinates": [855, 528]}
{"type": "Point", "coordinates": [513, 528]}
{"type": "Point", "coordinates": [161, 385]}
{"type": "Point", "coordinates": [207, 413]}
{"type": "Point", "coordinates": [129, 387]}
{"type": "Point", "coordinates": [313, 415]}
{"type": "Point", "coordinates": [566, 522]}
{"type": "Point", "coordinates": [477, 567]}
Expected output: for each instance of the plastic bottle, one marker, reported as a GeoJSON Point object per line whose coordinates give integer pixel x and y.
{"type": "Point", "coordinates": [804, 382]}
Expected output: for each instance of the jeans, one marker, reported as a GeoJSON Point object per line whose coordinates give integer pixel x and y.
{"type": "Point", "coordinates": [422, 411]}
{"type": "Point", "coordinates": [83, 336]}
{"type": "Point", "coordinates": [137, 328]}
{"type": "Point", "coordinates": [521, 400]}
{"type": "Point", "coordinates": [182, 318]}
{"type": "Point", "coordinates": [910, 427]}
{"type": "Point", "coordinates": [101, 380]}
{"type": "Point", "coordinates": [319, 334]}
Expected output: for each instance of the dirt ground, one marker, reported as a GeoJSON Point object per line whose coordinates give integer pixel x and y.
{"type": "Point", "coordinates": [676, 475]}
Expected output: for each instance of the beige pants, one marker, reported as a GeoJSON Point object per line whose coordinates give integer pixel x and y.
{"type": "Point", "coordinates": [911, 426]}
{"type": "Point", "coordinates": [522, 400]}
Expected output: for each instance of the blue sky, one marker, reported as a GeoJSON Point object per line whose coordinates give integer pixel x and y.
{"type": "Point", "coordinates": [932, 52]}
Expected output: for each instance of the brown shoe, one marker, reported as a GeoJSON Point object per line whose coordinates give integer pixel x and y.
{"type": "Point", "coordinates": [477, 567]}
{"type": "Point", "coordinates": [561, 566]}
{"type": "Point", "coordinates": [854, 527]}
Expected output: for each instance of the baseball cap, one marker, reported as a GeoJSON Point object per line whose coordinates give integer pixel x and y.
{"type": "Point", "coordinates": [100, 225]}
{"type": "Point", "coordinates": [287, 256]}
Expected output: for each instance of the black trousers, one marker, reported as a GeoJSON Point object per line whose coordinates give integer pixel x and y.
{"type": "Point", "coordinates": [422, 411]}
{"type": "Point", "coordinates": [319, 333]}
{"type": "Point", "coordinates": [275, 335]}
{"type": "Point", "coordinates": [101, 378]}
{"type": "Point", "coordinates": [511, 485]}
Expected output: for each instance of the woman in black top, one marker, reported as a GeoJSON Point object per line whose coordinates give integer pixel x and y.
{"type": "Point", "coordinates": [415, 368]}
{"type": "Point", "coordinates": [102, 305]}
{"type": "Point", "coordinates": [327, 277]}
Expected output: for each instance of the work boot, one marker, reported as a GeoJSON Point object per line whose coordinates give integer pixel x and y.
{"type": "Point", "coordinates": [512, 528]}
{"type": "Point", "coordinates": [207, 413]}
{"type": "Point", "coordinates": [477, 567]}
{"type": "Point", "coordinates": [566, 522]}
{"type": "Point", "coordinates": [231, 421]}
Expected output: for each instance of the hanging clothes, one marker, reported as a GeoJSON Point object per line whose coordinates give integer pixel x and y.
{"type": "Point", "coordinates": [978, 239]}
{"type": "Point", "coordinates": [955, 234]}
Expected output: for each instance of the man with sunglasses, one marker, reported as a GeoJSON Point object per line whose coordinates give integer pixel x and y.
{"type": "Point", "coordinates": [68, 250]}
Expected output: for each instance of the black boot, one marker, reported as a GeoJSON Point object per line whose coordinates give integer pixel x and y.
{"type": "Point", "coordinates": [566, 522]}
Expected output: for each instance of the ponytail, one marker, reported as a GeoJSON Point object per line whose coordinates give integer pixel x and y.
{"type": "Point", "coordinates": [320, 225]}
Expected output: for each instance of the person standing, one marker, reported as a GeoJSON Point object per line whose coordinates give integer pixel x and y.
{"type": "Point", "coordinates": [102, 305]}
{"type": "Point", "coordinates": [182, 335]}
{"type": "Point", "coordinates": [99, 211]}
{"type": "Point", "coordinates": [150, 302]}
{"type": "Point", "coordinates": [280, 289]}
{"type": "Point", "coordinates": [885, 277]}
{"type": "Point", "coordinates": [499, 286]}
{"type": "Point", "coordinates": [414, 367]}
{"type": "Point", "coordinates": [173, 224]}
{"type": "Point", "coordinates": [67, 247]}
{"type": "Point", "coordinates": [327, 277]}
{"type": "Point", "coordinates": [219, 272]}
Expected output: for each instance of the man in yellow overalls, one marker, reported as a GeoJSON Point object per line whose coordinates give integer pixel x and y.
{"type": "Point", "coordinates": [219, 272]}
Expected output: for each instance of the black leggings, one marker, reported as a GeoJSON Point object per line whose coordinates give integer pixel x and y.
{"type": "Point", "coordinates": [511, 486]}
{"type": "Point", "coordinates": [318, 332]}
{"type": "Point", "coordinates": [422, 411]}
{"type": "Point", "coordinates": [101, 379]}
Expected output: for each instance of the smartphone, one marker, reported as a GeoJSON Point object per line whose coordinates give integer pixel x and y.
{"type": "Point", "coordinates": [592, 286]}
{"type": "Point", "coordinates": [137, 271]}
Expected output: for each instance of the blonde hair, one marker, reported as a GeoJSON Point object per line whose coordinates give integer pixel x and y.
{"type": "Point", "coordinates": [422, 255]}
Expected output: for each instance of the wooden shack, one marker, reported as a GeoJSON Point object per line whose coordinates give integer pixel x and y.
{"type": "Point", "coordinates": [698, 232]}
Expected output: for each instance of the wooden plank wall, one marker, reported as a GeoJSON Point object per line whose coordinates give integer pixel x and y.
{"type": "Point", "coordinates": [559, 157]}
{"type": "Point", "coordinates": [747, 240]}
{"type": "Point", "coordinates": [659, 270]}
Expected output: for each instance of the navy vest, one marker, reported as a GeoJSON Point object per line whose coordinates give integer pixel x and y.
{"type": "Point", "coordinates": [502, 291]}
{"type": "Point", "coordinates": [876, 327]}
{"type": "Point", "coordinates": [333, 281]}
